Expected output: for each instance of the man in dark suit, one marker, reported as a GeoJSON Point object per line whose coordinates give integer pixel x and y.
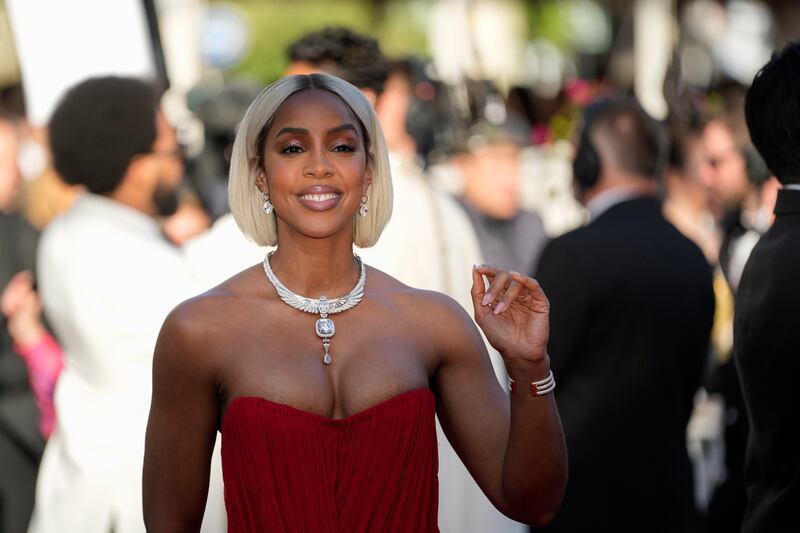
{"type": "Point", "coordinates": [766, 342]}
{"type": "Point", "coordinates": [632, 305]}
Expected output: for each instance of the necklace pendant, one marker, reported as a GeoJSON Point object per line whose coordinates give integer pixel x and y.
{"type": "Point", "coordinates": [326, 343]}
{"type": "Point", "coordinates": [325, 328]}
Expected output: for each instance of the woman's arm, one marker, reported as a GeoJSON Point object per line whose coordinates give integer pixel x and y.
{"type": "Point", "coordinates": [513, 448]}
{"type": "Point", "coordinates": [182, 426]}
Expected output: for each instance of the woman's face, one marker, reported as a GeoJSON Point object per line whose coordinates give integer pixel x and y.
{"type": "Point", "coordinates": [315, 165]}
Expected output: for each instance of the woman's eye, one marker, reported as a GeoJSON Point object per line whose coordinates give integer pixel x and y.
{"type": "Point", "coordinates": [343, 148]}
{"type": "Point", "coordinates": [292, 149]}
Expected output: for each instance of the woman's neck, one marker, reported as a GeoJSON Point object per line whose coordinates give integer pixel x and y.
{"type": "Point", "coordinates": [316, 267]}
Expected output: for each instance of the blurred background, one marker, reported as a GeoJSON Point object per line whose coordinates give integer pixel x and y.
{"type": "Point", "coordinates": [489, 94]}
{"type": "Point", "coordinates": [524, 65]}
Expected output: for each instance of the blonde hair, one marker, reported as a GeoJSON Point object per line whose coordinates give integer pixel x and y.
{"type": "Point", "coordinates": [246, 160]}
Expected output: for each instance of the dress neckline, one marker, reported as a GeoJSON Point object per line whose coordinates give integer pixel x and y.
{"type": "Point", "coordinates": [350, 419]}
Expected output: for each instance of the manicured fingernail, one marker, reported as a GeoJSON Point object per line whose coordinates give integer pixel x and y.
{"type": "Point", "coordinates": [499, 308]}
{"type": "Point", "coordinates": [487, 299]}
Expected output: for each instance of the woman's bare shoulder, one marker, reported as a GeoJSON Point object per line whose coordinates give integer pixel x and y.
{"type": "Point", "coordinates": [427, 307]}
{"type": "Point", "coordinates": [209, 317]}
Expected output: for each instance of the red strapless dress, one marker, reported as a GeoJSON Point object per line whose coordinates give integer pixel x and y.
{"type": "Point", "coordinates": [291, 471]}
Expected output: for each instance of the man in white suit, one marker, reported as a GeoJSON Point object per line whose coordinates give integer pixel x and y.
{"type": "Point", "coordinates": [108, 278]}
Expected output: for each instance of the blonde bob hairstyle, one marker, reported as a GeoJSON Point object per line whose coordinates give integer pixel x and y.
{"type": "Point", "coordinates": [247, 159]}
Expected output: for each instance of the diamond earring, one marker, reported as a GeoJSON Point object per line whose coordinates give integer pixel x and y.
{"type": "Point", "coordinates": [363, 209]}
{"type": "Point", "coordinates": [267, 207]}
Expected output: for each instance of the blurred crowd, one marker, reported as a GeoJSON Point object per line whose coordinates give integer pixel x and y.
{"type": "Point", "coordinates": [642, 274]}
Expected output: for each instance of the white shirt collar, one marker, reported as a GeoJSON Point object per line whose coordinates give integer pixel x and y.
{"type": "Point", "coordinates": [609, 198]}
{"type": "Point", "coordinates": [792, 186]}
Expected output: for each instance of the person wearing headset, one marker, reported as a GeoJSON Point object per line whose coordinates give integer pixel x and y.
{"type": "Point", "coordinates": [631, 306]}
{"type": "Point", "coordinates": [741, 187]}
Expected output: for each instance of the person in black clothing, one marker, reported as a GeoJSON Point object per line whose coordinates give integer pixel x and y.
{"type": "Point", "coordinates": [737, 181]}
{"type": "Point", "coordinates": [631, 306]}
{"type": "Point", "coordinates": [766, 344]}
{"type": "Point", "coordinates": [21, 443]}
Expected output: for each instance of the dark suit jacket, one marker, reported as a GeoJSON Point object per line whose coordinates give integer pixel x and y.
{"type": "Point", "coordinates": [631, 312]}
{"type": "Point", "coordinates": [767, 354]}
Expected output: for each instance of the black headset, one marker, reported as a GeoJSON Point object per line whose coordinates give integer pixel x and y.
{"type": "Point", "coordinates": [586, 165]}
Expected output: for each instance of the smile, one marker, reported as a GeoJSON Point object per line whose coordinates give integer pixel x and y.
{"type": "Point", "coordinates": [319, 197]}
{"type": "Point", "coordinates": [319, 200]}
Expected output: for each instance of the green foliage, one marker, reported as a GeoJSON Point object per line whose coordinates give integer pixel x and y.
{"type": "Point", "coordinates": [402, 26]}
{"type": "Point", "coordinates": [274, 24]}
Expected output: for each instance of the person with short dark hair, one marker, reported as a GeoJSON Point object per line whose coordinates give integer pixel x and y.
{"type": "Point", "coordinates": [122, 133]}
{"type": "Point", "coordinates": [741, 191]}
{"type": "Point", "coordinates": [343, 53]}
{"type": "Point", "coordinates": [107, 278]}
{"type": "Point", "coordinates": [766, 345]}
{"type": "Point", "coordinates": [631, 307]}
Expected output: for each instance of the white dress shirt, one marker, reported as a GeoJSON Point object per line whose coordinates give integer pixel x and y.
{"type": "Point", "coordinates": [609, 198]}
{"type": "Point", "coordinates": [107, 279]}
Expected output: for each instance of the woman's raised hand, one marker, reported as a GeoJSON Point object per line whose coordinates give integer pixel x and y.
{"type": "Point", "coordinates": [513, 312]}
{"type": "Point", "coordinates": [21, 305]}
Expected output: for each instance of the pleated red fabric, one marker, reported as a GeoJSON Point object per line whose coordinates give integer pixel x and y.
{"type": "Point", "coordinates": [291, 471]}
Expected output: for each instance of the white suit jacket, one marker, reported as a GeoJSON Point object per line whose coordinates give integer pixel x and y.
{"type": "Point", "coordinates": [107, 279]}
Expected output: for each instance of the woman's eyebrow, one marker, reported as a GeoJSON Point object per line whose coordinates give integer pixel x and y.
{"type": "Point", "coordinates": [296, 131]}
{"type": "Point", "coordinates": [343, 127]}
{"type": "Point", "coordinates": [303, 131]}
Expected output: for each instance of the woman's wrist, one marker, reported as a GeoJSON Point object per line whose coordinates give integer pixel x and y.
{"type": "Point", "coordinates": [528, 370]}
{"type": "Point", "coordinates": [27, 335]}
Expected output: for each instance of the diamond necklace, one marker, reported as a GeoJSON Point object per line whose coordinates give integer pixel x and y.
{"type": "Point", "coordinates": [324, 327]}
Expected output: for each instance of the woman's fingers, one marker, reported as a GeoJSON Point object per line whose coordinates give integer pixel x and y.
{"type": "Point", "coordinates": [509, 296]}
{"type": "Point", "coordinates": [498, 283]}
{"type": "Point", "coordinates": [533, 287]}
{"type": "Point", "coordinates": [504, 288]}
{"type": "Point", "coordinates": [487, 270]}
{"type": "Point", "coordinates": [478, 288]}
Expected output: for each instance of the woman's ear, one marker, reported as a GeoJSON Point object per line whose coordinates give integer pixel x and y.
{"type": "Point", "coordinates": [367, 178]}
{"type": "Point", "coordinates": [367, 181]}
{"type": "Point", "coordinates": [261, 182]}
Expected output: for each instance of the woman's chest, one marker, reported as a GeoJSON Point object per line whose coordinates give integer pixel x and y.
{"type": "Point", "coordinates": [372, 357]}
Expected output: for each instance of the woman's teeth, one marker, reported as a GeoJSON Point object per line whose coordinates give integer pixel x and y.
{"type": "Point", "coordinates": [319, 197]}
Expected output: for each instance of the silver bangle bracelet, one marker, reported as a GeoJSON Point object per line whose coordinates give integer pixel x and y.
{"type": "Point", "coordinates": [538, 388]}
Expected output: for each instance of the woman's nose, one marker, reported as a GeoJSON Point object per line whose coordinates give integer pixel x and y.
{"type": "Point", "coordinates": [318, 165]}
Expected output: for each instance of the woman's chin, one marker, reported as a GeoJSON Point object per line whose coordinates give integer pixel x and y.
{"type": "Point", "coordinates": [325, 232]}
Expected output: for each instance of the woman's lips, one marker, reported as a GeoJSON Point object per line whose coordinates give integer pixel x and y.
{"type": "Point", "coordinates": [320, 201]}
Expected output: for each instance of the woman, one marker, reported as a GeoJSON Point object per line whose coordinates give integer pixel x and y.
{"type": "Point", "coordinates": [327, 416]}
